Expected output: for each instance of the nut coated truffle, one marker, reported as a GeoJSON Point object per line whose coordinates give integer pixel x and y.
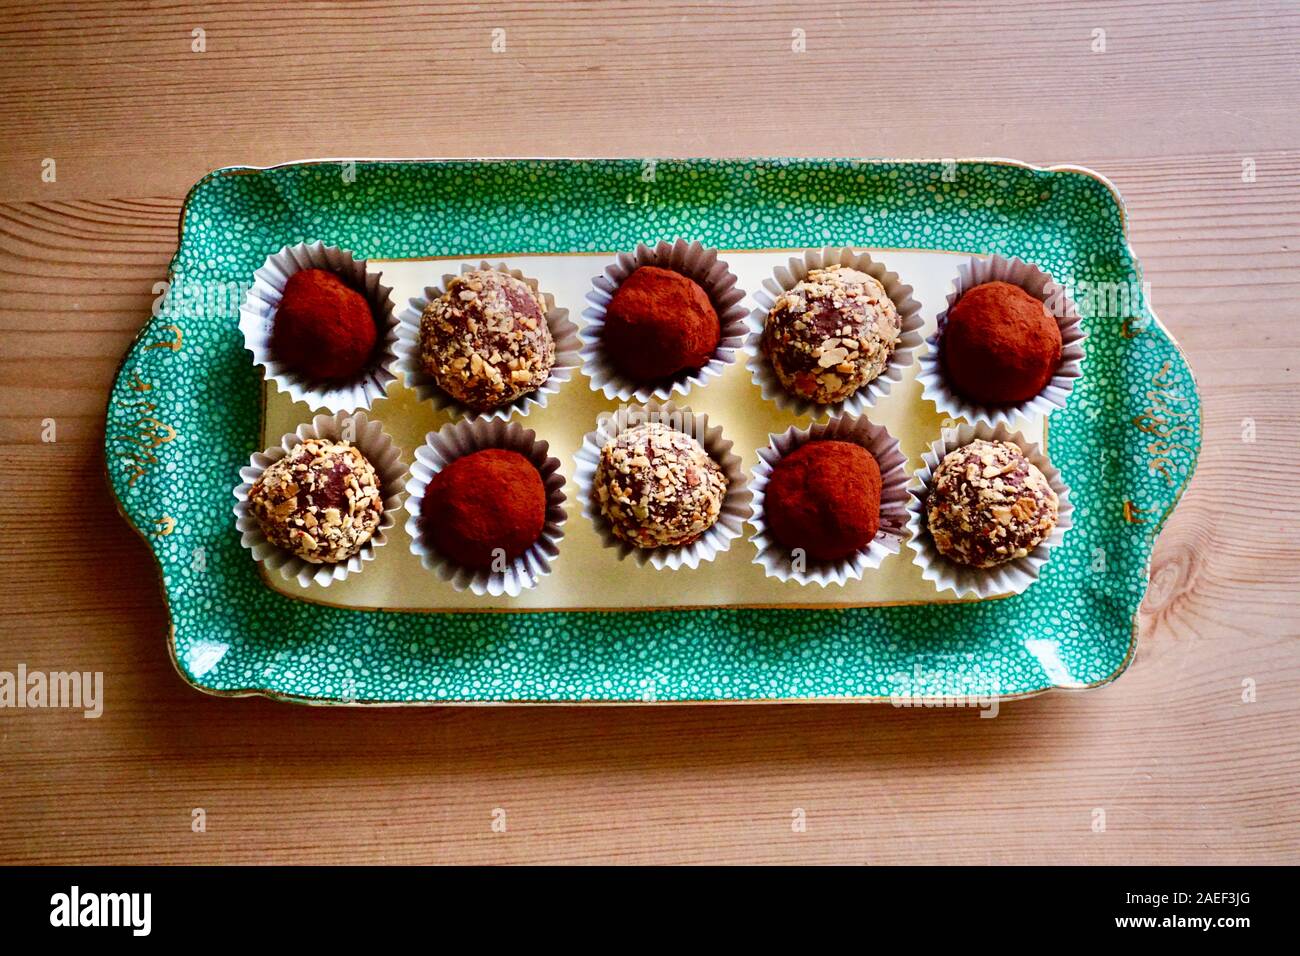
{"type": "Point", "coordinates": [322, 501]}
{"type": "Point", "coordinates": [658, 487]}
{"type": "Point", "coordinates": [1000, 345]}
{"type": "Point", "coordinates": [483, 506]}
{"type": "Point", "coordinates": [831, 334]}
{"type": "Point", "coordinates": [824, 498]}
{"type": "Point", "coordinates": [323, 328]}
{"type": "Point", "coordinates": [485, 341]}
{"type": "Point", "coordinates": [989, 504]}
{"type": "Point", "coordinates": [658, 324]}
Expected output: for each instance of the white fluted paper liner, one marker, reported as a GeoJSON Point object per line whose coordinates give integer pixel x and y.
{"type": "Point", "coordinates": [563, 332]}
{"type": "Point", "coordinates": [456, 440]}
{"type": "Point", "coordinates": [692, 260]}
{"type": "Point", "coordinates": [735, 503]}
{"type": "Point", "coordinates": [368, 437]}
{"type": "Point", "coordinates": [257, 319]}
{"type": "Point", "coordinates": [786, 277]}
{"type": "Point", "coordinates": [1010, 578]}
{"type": "Point", "coordinates": [1040, 285]}
{"type": "Point", "coordinates": [776, 560]}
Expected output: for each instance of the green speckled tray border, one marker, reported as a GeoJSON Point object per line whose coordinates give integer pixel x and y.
{"type": "Point", "coordinates": [184, 414]}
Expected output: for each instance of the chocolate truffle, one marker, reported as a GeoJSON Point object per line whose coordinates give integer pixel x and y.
{"type": "Point", "coordinates": [658, 487]}
{"type": "Point", "coordinates": [658, 324]}
{"type": "Point", "coordinates": [831, 334]}
{"type": "Point", "coordinates": [988, 504]}
{"type": "Point", "coordinates": [1000, 345]}
{"type": "Point", "coordinates": [824, 498]}
{"type": "Point", "coordinates": [323, 328]}
{"type": "Point", "coordinates": [485, 340]}
{"type": "Point", "coordinates": [322, 501]}
{"type": "Point", "coordinates": [485, 505]}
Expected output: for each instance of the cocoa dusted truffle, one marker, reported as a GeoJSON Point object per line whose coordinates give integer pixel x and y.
{"type": "Point", "coordinates": [831, 334]}
{"type": "Point", "coordinates": [658, 324]}
{"type": "Point", "coordinates": [988, 504]}
{"type": "Point", "coordinates": [322, 501]}
{"type": "Point", "coordinates": [485, 505]}
{"type": "Point", "coordinates": [485, 341]}
{"type": "Point", "coordinates": [1000, 345]}
{"type": "Point", "coordinates": [658, 487]}
{"type": "Point", "coordinates": [323, 327]}
{"type": "Point", "coordinates": [824, 498]}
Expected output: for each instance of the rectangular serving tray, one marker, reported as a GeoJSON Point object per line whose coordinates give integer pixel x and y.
{"type": "Point", "coordinates": [188, 407]}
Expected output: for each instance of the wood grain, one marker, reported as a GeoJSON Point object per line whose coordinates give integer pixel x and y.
{"type": "Point", "coordinates": [1185, 771]}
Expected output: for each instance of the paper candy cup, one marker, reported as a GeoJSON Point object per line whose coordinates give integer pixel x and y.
{"type": "Point", "coordinates": [735, 503]}
{"type": "Point", "coordinates": [257, 319]}
{"type": "Point", "coordinates": [786, 277]}
{"type": "Point", "coordinates": [777, 561]}
{"type": "Point", "coordinates": [563, 331]}
{"type": "Point", "coordinates": [1040, 285]}
{"type": "Point", "coordinates": [371, 440]}
{"type": "Point", "coordinates": [462, 438]}
{"type": "Point", "coordinates": [693, 260]}
{"type": "Point", "coordinates": [1005, 579]}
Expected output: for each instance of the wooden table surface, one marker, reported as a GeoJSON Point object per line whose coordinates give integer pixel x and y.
{"type": "Point", "coordinates": [1183, 98]}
